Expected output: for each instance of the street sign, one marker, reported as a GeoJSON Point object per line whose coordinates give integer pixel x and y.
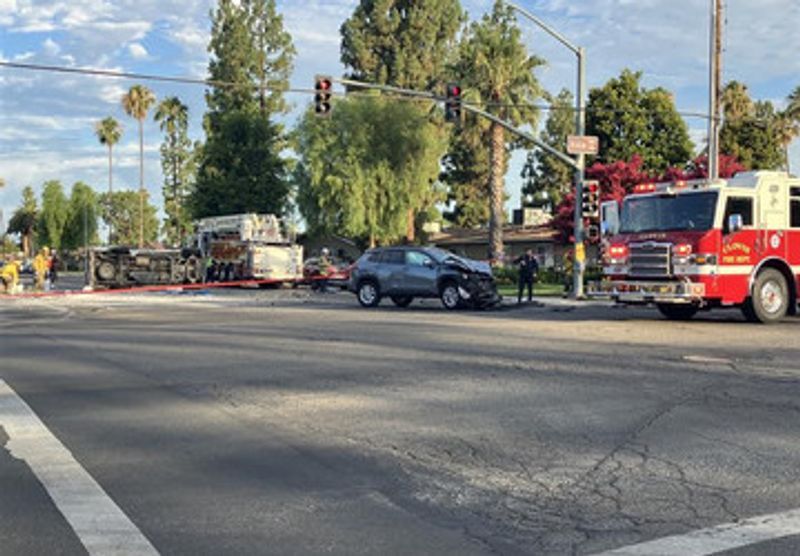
{"type": "Point", "coordinates": [583, 144]}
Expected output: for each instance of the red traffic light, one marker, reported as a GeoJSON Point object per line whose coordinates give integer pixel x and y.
{"type": "Point", "coordinates": [324, 85]}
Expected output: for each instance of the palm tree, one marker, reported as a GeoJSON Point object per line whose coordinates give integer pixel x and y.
{"type": "Point", "coordinates": [787, 129]}
{"type": "Point", "coordinates": [495, 66]}
{"type": "Point", "coordinates": [109, 132]}
{"type": "Point", "coordinates": [793, 112]}
{"type": "Point", "coordinates": [173, 116]}
{"type": "Point", "coordinates": [736, 101]}
{"type": "Point", "coordinates": [794, 104]}
{"type": "Point", "coordinates": [137, 103]}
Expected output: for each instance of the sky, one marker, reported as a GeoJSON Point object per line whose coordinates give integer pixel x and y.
{"type": "Point", "coordinates": [47, 120]}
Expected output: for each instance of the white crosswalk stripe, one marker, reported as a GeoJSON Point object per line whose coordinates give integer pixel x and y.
{"type": "Point", "coordinates": [99, 523]}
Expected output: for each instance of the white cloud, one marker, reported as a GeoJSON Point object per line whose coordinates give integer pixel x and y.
{"type": "Point", "coordinates": [190, 36]}
{"type": "Point", "coordinates": [51, 47]}
{"type": "Point", "coordinates": [137, 51]}
{"type": "Point", "coordinates": [24, 57]}
{"type": "Point", "coordinates": [111, 93]}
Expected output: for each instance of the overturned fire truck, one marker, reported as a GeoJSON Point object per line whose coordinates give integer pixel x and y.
{"type": "Point", "coordinates": [253, 247]}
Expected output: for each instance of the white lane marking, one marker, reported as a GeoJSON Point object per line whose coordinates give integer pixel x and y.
{"type": "Point", "coordinates": [98, 522]}
{"type": "Point", "coordinates": [718, 539]}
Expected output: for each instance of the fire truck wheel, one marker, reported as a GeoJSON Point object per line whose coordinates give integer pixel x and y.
{"type": "Point", "coordinates": [193, 270]}
{"type": "Point", "coordinates": [677, 312]}
{"type": "Point", "coordinates": [769, 301]}
{"type": "Point", "coordinates": [106, 271]}
{"type": "Point", "coordinates": [368, 294]}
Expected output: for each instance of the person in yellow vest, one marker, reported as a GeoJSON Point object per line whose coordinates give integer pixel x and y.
{"type": "Point", "coordinates": [41, 264]}
{"type": "Point", "coordinates": [9, 277]}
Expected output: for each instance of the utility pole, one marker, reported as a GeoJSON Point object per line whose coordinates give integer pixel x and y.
{"type": "Point", "coordinates": [580, 130]}
{"type": "Point", "coordinates": [715, 88]}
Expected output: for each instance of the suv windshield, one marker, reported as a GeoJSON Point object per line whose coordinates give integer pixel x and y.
{"type": "Point", "coordinates": [692, 211]}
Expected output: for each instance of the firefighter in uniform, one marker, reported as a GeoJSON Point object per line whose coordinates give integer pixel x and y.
{"type": "Point", "coordinates": [41, 265]}
{"type": "Point", "coordinates": [9, 277]}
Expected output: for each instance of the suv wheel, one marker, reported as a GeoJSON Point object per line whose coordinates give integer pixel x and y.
{"type": "Point", "coordinates": [402, 301]}
{"type": "Point", "coordinates": [368, 294]}
{"type": "Point", "coordinates": [451, 299]}
{"type": "Point", "coordinates": [769, 302]}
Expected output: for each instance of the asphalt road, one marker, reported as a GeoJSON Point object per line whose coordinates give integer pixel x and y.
{"type": "Point", "coordinates": [279, 423]}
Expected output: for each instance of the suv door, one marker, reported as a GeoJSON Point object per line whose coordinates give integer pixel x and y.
{"type": "Point", "coordinates": [390, 272]}
{"type": "Point", "coordinates": [421, 273]}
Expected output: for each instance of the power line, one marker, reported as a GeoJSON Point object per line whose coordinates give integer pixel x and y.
{"type": "Point", "coordinates": [144, 77]}
{"type": "Point", "coordinates": [424, 97]}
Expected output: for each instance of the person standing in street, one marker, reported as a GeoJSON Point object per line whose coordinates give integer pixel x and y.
{"type": "Point", "coordinates": [9, 277]}
{"type": "Point", "coordinates": [528, 269]}
{"type": "Point", "coordinates": [54, 262]}
{"type": "Point", "coordinates": [41, 266]}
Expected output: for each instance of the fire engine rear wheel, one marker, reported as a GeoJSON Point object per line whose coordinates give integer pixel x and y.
{"type": "Point", "coordinates": [106, 271]}
{"type": "Point", "coordinates": [677, 312]}
{"type": "Point", "coordinates": [193, 275]}
{"type": "Point", "coordinates": [769, 301]}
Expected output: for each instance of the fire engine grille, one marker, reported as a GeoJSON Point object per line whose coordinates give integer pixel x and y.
{"type": "Point", "coordinates": [650, 260]}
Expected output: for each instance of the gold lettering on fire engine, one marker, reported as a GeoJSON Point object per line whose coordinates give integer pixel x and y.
{"type": "Point", "coordinates": [736, 253]}
{"type": "Point", "coordinates": [736, 246]}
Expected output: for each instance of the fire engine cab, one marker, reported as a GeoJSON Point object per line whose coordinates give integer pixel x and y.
{"type": "Point", "coordinates": [691, 245]}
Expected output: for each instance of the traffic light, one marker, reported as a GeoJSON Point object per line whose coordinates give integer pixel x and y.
{"type": "Point", "coordinates": [452, 104]}
{"type": "Point", "coordinates": [590, 204]}
{"type": "Point", "coordinates": [323, 85]}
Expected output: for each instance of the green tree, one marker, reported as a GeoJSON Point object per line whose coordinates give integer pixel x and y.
{"type": "Point", "coordinates": [552, 176]}
{"type": "Point", "coordinates": [83, 212]}
{"type": "Point", "coordinates": [466, 174]}
{"type": "Point", "coordinates": [53, 216]}
{"type": "Point", "coordinates": [404, 43]}
{"type": "Point", "coordinates": [24, 220]}
{"type": "Point", "coordinates": [178, 166]}
{"type": "Point", "coordinates": [736, 102]}
{"type": "Point", "coordinates": [121, 211]}
{"type": "Point", "coordinates": [363, 168]}
{"type": "Point", "coordinates": [787, 129]}
{"type": "Point", "coordinates": [631, 120]}
{"type": "Point", "coordinates": [137, 103]}
{"type": "Point", "coordinates": [496, 69]}
{"type": "Point", "coordinates": [241, 170]}
{"type": "Point", "coordinates": [751, 131]}
{"type": "Point", "coordinates": [250, 49]}
{"type": "Point", "coordinates": [273, 55]}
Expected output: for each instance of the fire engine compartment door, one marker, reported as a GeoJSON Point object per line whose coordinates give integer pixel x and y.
{"type": "Point", "coordinates": [773, 221]}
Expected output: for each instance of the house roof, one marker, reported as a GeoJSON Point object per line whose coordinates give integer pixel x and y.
{"type": "Point", "coordinates": [511, 234]}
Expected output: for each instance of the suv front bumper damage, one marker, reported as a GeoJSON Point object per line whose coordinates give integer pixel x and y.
{"type": "Point", "coordinates": [649, 292]}
{"type": "Point", "coordinates": [480, 292]}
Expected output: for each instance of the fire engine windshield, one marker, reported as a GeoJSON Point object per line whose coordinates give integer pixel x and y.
{"type": "Point", "coordinates": [690, 211]}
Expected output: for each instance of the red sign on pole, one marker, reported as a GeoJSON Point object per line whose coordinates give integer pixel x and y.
{"type": "Point", "coordinates": [583, 144]}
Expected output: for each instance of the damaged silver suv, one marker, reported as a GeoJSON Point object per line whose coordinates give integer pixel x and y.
{"type": "Point", "coordinates": [405, 273]}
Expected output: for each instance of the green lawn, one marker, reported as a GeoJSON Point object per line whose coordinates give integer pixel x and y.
{"type": "Point", "coordinates": [539, 290]}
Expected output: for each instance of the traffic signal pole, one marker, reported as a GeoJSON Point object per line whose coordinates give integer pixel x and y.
{"type": "Point", "coordinates": [580, 176]}
{"type": "Point", "coordinates": [572, 163]}
{"type": "Point", "coordinates": [580, 127]}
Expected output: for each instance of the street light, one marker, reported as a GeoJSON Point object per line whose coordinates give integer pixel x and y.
{"type": "Point", "coordinates": [580, 128]}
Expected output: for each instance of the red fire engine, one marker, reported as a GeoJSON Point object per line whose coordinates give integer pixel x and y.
{"type": "Point", "coordinates": [686, 246]}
